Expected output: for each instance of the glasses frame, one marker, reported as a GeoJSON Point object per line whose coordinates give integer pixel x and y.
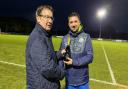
{"type": "Point", "coordinates": [47, 17]}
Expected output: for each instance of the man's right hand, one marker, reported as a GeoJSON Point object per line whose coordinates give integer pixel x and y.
{"type": "Point", "coordinates": [63, 51]}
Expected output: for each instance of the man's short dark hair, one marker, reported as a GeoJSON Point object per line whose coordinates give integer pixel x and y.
{"type": "Point", "coordinates": [40, 8]}
{"type": "Point", "coordinates": [74, 14]}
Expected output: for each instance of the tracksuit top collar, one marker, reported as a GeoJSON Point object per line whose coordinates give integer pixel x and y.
{"type": "Point", "coordinates": [75, 34]}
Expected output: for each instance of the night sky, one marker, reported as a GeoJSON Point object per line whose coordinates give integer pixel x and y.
{"type": "Point", "coordinates": [117, 16]}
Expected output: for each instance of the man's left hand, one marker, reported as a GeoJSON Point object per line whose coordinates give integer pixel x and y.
{"type": "Point", "coordinates": [69, 61]}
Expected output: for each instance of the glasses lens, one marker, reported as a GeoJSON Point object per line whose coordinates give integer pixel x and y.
{"type": "Point", "coordinates": [47, 17]}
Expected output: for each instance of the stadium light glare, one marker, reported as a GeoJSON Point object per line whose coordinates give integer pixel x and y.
{"type": "Point", "coordinates": [101, 13]}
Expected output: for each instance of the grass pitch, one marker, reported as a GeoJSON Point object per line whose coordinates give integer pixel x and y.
{"type": "Point", "coordinates": [12, 50]}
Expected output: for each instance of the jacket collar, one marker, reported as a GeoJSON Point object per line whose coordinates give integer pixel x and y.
{"type": "Point", "coordinates": [74, 34]}
{"type": "Point", "coordinates": [41, 30]}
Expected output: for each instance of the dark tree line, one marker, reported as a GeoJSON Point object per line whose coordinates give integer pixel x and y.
{"type": "Point", "coordinates": [24, 26]}
{"type": "Point", "coordinates": [15, 25]}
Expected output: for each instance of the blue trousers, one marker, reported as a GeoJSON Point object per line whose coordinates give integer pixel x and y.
{"type": "Point", "coordinates": [84, 86]}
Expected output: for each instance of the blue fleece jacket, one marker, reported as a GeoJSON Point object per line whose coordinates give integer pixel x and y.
{"type": "Point", "coordinates": [82, 55]}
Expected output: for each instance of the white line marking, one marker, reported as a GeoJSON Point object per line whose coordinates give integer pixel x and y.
{"type": "Point", "coordinates": [105, 82]}
{"type": "Point", "coordinates": [100, 81]}
{"type": "Point", "coordinates": [12, 64]}
{"type": "Point", "coordinates": [121, 85]}
{"type": "Point", "coordinates": [109, 66]}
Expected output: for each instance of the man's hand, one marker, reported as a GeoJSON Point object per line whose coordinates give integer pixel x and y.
{"type": "Point", "coordinates": [69, 61]}
{"type": "Point", "coordinates": [63, 51]}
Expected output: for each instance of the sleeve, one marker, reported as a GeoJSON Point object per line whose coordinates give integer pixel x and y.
{"type": "Point", "coordinates": [60, 62]}
{"type": "Point", "coordinates": [44, 61]}
{"type": "Point", "coordinates": [88, 58]}
{"type": "Point", "coordinates": [59, 55]}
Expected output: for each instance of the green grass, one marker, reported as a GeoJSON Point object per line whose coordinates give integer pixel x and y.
{"type": "Point", "coordinates": [12, 77]}
{"type": "Point", "coordinates": [12, 49]}
{"type": "Point", "coordinates": [118, 60]}
{"type": "Point", "coordinates": [99, 65]}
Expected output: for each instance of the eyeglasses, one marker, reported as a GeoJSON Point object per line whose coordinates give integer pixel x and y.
{"type": "Point", "coordinates": [47, 17]}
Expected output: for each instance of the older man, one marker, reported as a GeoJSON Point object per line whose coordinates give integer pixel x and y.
{"type": "Point", "coordinates": [42, 70]}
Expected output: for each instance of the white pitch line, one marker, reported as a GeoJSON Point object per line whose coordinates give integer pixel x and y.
{"type": "Point", "coordinates": [12, 64]}
{"type": "Point", "coordinates": [109, 66]}
{"type": "Point", "coordinates": [109, 83]}
{"type": "Point", "coordinates": [121, 85]}
{"type": "Point", "coordinates": [100, 81]}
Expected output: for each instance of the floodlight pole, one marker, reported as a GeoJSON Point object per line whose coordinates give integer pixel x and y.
{"type": "Point", "coordinates": [0, 31]}
{"type": "Point", "coordinates": [101, 14]}
{"type": "Point", "coordinates": [100, 29]}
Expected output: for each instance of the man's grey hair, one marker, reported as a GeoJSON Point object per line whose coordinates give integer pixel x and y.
{"type": "Point", "coordinates": [41, 7]}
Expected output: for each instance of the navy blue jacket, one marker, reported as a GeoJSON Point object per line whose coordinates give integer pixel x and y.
{"type": "Point", "coordinates": [42, 71]}
{"type": "Point", "coordinates": [82, 54]}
